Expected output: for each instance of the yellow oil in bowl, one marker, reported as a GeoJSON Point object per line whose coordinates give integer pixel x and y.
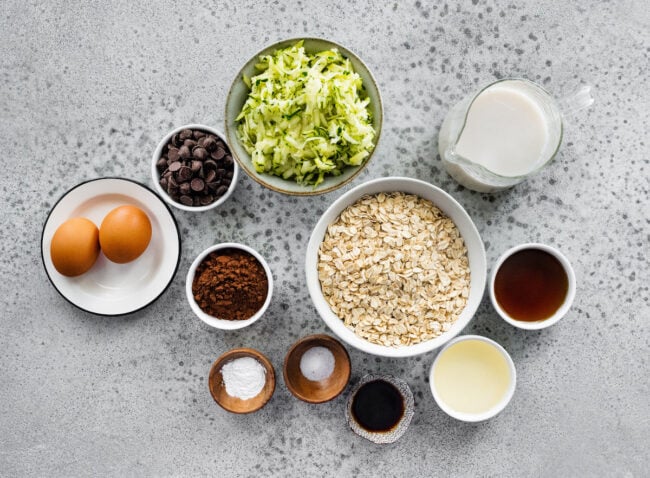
{"type": "Point", "coordinates": [473, 378]}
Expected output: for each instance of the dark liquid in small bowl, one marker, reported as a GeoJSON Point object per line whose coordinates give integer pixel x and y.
{"type": "Point", "coordinates": [531, 285]}
{"type": "Point", "coordinates": [378, 406]}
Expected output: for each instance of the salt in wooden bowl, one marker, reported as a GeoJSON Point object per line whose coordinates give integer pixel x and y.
{"type": "Point", "coordinates": [317, 391]}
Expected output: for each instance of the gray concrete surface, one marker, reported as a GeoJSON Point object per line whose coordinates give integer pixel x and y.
{"type": "Point", "coordinates": [89, 88]}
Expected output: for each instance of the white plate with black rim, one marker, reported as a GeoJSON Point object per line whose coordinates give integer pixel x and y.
{"type": "Point", "coordinates": [109, 288]}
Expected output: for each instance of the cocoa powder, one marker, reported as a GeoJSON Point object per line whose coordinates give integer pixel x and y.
{"type": "Point", "coordinates": [230, 284]}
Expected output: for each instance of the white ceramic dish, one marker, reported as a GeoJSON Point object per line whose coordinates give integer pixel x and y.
{"type": "Point", "coordinates": [109, 288]}
{"type": "Point", "coordinates": [156, 177]}
{"type": "Point", "coordinates": [222, 323]}
{"type": "Point", "coordinates": [475, 417]}
{"type": "Point", "coordinates": [238, 95]}
{"type": "Point", "coordinates": [568, 300]}
{"type": "Point", "coordinates": [473, 242]}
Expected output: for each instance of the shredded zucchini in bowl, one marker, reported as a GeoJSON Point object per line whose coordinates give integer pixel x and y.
{"type": "Point", "coordinates": [306, 115]}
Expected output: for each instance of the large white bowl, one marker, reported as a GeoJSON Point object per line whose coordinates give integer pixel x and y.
{"type": "Point", "coordinates": [448, 205]}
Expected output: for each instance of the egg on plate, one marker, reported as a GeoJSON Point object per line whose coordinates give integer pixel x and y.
{"type": "Point", "coordinates": [75, 246]}
{"type": "Point", "coordinates": [125, 234]}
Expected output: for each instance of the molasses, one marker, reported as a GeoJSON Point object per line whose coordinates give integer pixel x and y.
{"type": "Point", "coordinates": [378, 406]}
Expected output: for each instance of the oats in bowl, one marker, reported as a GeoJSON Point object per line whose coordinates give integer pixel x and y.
{"type": "Point", "coordinates": [395, 269]}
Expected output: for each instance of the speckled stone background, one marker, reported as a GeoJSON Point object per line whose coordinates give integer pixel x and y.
{"type": "Point", "coordinates": [88, 90]}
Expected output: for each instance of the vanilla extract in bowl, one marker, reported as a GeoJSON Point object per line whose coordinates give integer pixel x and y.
{"type": "Point", "coordinates": [380, 408]}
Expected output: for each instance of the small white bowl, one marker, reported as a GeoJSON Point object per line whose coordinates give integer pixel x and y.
{"type": "Point", "coordinates": [222, 323]}
{"type": "Point", "coordinates": [475, 417]}
{"type": "Point", "coordinates": [448, 205]}
{"type": "Point", "coordinates": [568, 300]}
{"type": "Point", "coordinates": [156, 176]}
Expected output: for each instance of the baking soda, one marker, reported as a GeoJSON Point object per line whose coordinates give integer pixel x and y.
{"type": "Point", "coordinates": [244, 377]}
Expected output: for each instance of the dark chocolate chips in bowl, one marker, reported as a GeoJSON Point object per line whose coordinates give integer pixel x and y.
{"type": "Point", "coordinates": [195, 167]}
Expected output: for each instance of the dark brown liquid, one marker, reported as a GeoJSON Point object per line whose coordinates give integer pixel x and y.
{"type": "Point", "coordinates": [378, 406]}
{"type": "Point", "coordinates": [531, 285]}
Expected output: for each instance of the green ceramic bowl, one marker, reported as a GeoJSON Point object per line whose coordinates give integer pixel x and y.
{"type": "Point", "coordinates": [237, 97]}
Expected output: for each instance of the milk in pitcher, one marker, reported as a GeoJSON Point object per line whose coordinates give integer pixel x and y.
{"type": "Point", "coordinates": [495, 139]}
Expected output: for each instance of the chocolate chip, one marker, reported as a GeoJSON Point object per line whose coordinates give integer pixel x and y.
{"type": "Point", "coordinates": [190, 143]}
{"type": "Point", "coordinates": [184, 152]}
{"type": "Point", "coordinates": [163, 183]}
{"type": "Point", "coordinates": [196, 166]}
{"type": "Point", "coordinates": [173, 154]}
{"type": "Point", "coordinates": [207, 199]}
{"type": "Point", "coordinates": [184, 188]}
{"type": "Point", "coordinates": [198, 134]}
{"type": "Point", "coordinates": [200, 153]}
{"type": "Point", "coordinates": [187, 200]}
{"type": "Point", "coordinates": [210, 165]}
{"type": "Point", "coordinates": [218, 153]}
{"type": "Point", "coordinates": [221, 190]}
{"type": "Point", "coordinates": [229, 174]}
{"type": "Point", "coordinates": [176, 140]}
{"type": "Point", "coordinates": [161, 165]}
{"type": "Point", "coordinates": [197, 184]}
{"type": "Point", "coordinates": [185, 134]}
{"type": "Point", "coordinates": [175, 166]}
{"type": "Point", "coordinates": [210, 176]}
{"type": "Point", "coordinates": [184, 174]}
{"type": "Point", "coordinates": [227, 160]}
{"type": "Point", "coordinates": [210, 143]}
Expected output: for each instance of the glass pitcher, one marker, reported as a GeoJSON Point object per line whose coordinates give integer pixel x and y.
{"type": "Point", "coordinates": [503, 134]}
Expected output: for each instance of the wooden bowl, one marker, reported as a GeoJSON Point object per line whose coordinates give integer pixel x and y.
{"type": "Point", "coordinates": [316, 391]}
{"type": "Point", "coordinates": [233, 404]}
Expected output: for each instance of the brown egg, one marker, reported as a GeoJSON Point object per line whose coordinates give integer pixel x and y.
{"type": "Point", "coordinates": [125, 234]}
{"type": "Point", "coordinates": [75, 246]}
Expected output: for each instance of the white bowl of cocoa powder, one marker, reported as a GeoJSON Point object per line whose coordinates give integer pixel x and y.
{"type": "Point", "coordinates": [229, 286]}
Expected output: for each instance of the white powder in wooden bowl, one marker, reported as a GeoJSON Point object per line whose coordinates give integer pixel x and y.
{"type": "Point", "coordinates": [243, 377]}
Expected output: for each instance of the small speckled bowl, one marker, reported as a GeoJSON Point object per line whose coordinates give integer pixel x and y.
{"type": "Point", "coordinates": [316, 391]}
{"type": "Point", "coordinates": [396, 432]}
{"type": "Point", "coordinates": [156, 176]}
{"type": "Point", "coordinates": [239, 93]}
{"type": "Point", "coordinates": [215, 321]}
{"type": "Point", "coordinates": [234, 404]}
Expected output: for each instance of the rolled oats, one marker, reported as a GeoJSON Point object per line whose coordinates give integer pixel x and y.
{"type": "Point", "coordinates": [394, 268]}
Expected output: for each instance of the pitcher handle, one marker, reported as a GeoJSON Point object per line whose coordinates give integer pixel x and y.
{"type": "Point", "coordinates": [579, 100]}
